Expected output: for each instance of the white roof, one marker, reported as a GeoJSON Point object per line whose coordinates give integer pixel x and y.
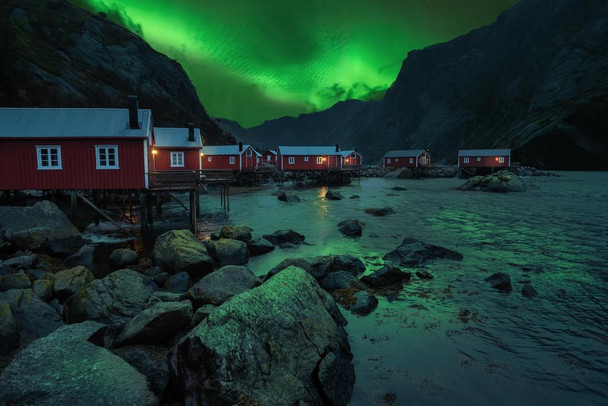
{"type": "Point", "coordinates": [71, 123]}
{"type": "Point", "coordinates": [484, 152]}
{"type": "Point", "coordinates": [309, 151]}
{"type": "Point", "coordinates": [403, 153]}
{"type": "Point", "coordinates": [273, 151]}
{"type": "Point", "coordinates": [176, 137]}
{"type": "Point", "coordinates": [223, 149]}
{"type": "Point", "coordinates": [348, 152]}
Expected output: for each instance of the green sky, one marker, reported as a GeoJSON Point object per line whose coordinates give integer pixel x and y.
{"type": "Point", "coordinates": [253, 60]}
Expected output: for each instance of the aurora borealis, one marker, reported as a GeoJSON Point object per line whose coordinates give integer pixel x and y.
{"type": "Point", "coordinates": [256, 60]}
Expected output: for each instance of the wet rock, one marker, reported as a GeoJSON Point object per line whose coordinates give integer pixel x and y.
{"type": "Point", "coordinates": [386, 276]}
{"type": "Point", "coordinates": [67, 365]}
{"type": "Point", "coordinates": [282, 343]}
{"type": "Point", "coordinates": [9, 333]}
{"type": "Point", "coordinates": [153, 271]}
{"type": "Point", "coordinates": [282, 236]}
{"type": "Point", "coordinates": [528, 290]}
{"type": "Point", "coordinates": [82, 257]}
{"type": "Point", "coordinates": [179, 250]}
{"type": "Point", "coordinates": [161, 278]}
{"type": "Point", "coordinates": [502, 181]}
{"type": "Point", "coordinates": [373, 235]}
{"type": "Point", "coordinates": [259, 246]}
{"type": "Point", "coordinates": [500, 281]}
{"type": "Point", "coordinates": [348, 263]}
{"type": "Point", "coordinates": [414, 252]}
{"type": "Point", "coordinates": [178, 283]}
{"type": "Point", "coordinates": [156, 323]}
{"type": "Point", "coordinates": [319, 267]}
{"type": "Point", "coordinates": [424, 275]}
{"type": "Point", "coordinates": [364, 304]}
{"type": "Point", "coordinates": [333, 195]}
{"type": "Point", "coordinates": [33, 239]}
{"type": "Point", "coordinates": [21, 261]}
{"type": "Point", "coordinates": [201, 314]}
{"type": "Point", "coordinates": [288, 197]}
{"type": "Point", "coordinates": [351, 228]}
{"type": "Point", "coordinates": [123, 257]}
{"type": "Point", "coordinates": [380, 212]}
{"type": "Point", "coordinates": [236, 233]}
{"type": "Point", "coordinates": [340, 280]}
{"type": "Point", "coordinates": [5, 269]}
{"type": "Point", "coordinates": [154, 368]}
{"type": "Point", "coordinates": [71, 281]}
{"type": "Point", "coordinates": [228, 252]}
{"type": "Point", "coordinates": [35, 274]}
{"type": "Point", "coordinates": [398, 188]}
{"type": "Point", "coordinates": [355, 197]}
{"type": "Point", "coordinates": [221, 285]}
{"type": "Point", "coordinates": [114, 299]}
{"type": "Point", "coordinates": [14, 281]}
{"type": "Point", "coordinates": [43, 288]}
{"type": "Point", "coordinates": [159, 297]}
{"type": "Point", "coordinates": [405, 173]}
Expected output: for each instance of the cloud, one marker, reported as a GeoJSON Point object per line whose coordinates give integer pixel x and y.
{"type": "Point", "coordinates": [360, 91]}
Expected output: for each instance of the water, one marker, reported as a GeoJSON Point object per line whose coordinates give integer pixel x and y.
{"type": "Point", "coordinates": [455, 340]}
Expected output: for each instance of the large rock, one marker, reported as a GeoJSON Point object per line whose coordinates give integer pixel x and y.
{"type": "Point", "coordinates": [333, 195]}
{"type": "Point", "coordinates": [282, 236]}
{"type": "Point", "coordinates": [123, 257]}
{"type": "Point", "coordinates": [156, 323]}
{"type": "Point", "coordinates": [179, 250]}
{"type": "Point", "coordinates": [350, 228]}
{"type": "Point", "coordinates": [319, 267]}
{"type": "Point", "coordinates": [67, 368]}
{"type": "Point", "coordinates": [221, 285]}
{"type": "Point", "coordinates": [236, 233]}
{"type": "Point", "coordinates": [45, 221]}
{"type": "Point", "coordinates": [14, 281]}
{"type": "Point", "coordinates": [21, 261]}
{"type": "Point", "coordinates": [500, 281]}
{"type": "Point", "coordinates": [228, 252]}
{"type": "Point", "coordinates": [348, 263]}
{"type": "Point", "coordinates": [340, 280]}
{"type": "Point", "coordinates": [414, 252]}
{"type": "Point", "coordinates": [386, 276]}
{"type": "Point", "coordinates": [9, 332]}
{"type": "Point", "coordinates": [151, 363]}
{"type": "Point", "coordinates": [380, 212]}
{"type": "Point", "coordinates": [502, 181]}
{"type": "Point", "coordinates": [279, 344]}
{"type": "Point", "coordinates": [364, 304]}
{"type": "Point", "coordinates": [288, 197]}
{"type": "Point", "coordinates": [178, 283]}
{"type": "Point", "coordinates": [114, 299]}
{"type": "Point", "coordinates": [43, 288]}
{"type": "Point", "coordinates": [259, 246]}
{"type": "Point", "coordinates": [70, 281]}
{"type": "Point", "coordinates": [33, 239]}
{"type": "Point", "coordinates": [82, 257]}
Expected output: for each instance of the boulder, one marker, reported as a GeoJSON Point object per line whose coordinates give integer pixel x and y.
{"type": "Point", "coordinates": [424, 275]}
{"type": "Point", "coordinates": [67, 367]}
{"type": "Point", "coordinates": [386, 276]}
{"type": "Point", "coordinates": [21, 261]}
{"type": "Point", "coordinates": [351, 228]}
{"type": "Point", "coordinates": [364, 303]}
{"type": "Point", "coordinates": [528, 290]}
{"type": "Point", "coordinates": [178, 283]}
{"type": "Point", "coordinates": [228, 252]}
{"type": "Point", "coordinates": [9, 332]}
{"type": "Point", "coordinates": [355, 197]}
{"type": "Point", "coordinates": [82, 257]}
{"type": "Point", "coordinates": [399, 188]}
{"type": "Point", "coordinates": [319, 267]}
{"type": "Point", "coordinates": [380, 211]}
{"type": "Point", "coordinates": [236, 233]}
{"type": "Point", "coordinates": [158, 297]}
{"type": "Point", "coordinates": [14, 281]}
{"type": "Point", "coordinates": [161, 278]}
{"type": "Point", "coordinates": [282, 236]}
{"type": "Point", "coordinates": [281, 343]}
{"type": "Point", "coordinates": [33, 239]}
{"type": "Point", "coordinates": [123, 257]}
{"type": "Point", "coordinates": [43, 288]}
{"type": "Point", "coordinates": [179, 250]}
{"type": "Point", "coordinates": [500, 281]}
{"type": "Point", "coordinates": [340, 280]}
{"type": "Point", "coordinates": [201, 314]}
{"type": "Point", "coordinates": [114, 299]}
{"type": "Point", "coordinates": [44, 216]}
{"type": "Point", "coordinates": [221, 285]}
{"type": "Point", "coordinates": [348, 263]}
{"type": "Point", "coordinates": [502, 181]}
{"type": "Point", "coordinates": [259, 246]}
{"type": "Point", "coordinates": [156, 323]}
{"type": "Point", "coordinates": [151, 364]}
{"type": "Point", "coordinates": [288, 197]}
{"type": "Point", "coordinates": [414, 252]}
{"type": "Point", "coordinates": [71, 281]}
{"type": "Point", "coordinates": [332, 195]}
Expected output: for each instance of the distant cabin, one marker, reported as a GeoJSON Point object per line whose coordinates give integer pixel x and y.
{"type": "Point", "coordinates": [484, 158]}
{"type": "Point", "coordinates": [236, 157]}
{"type": "Point", "coordinates": [270, 156]}
{"type": "Point", "coordinates": [74, 148]}
{"type": "Point", "coordinates": [309, 158]}
{"type": "Point", "coordinates": [351, 158]}
{"type": "Point", "coordinates": [176, 149]}
{"type": "Point", "coordinates": [411, 158]}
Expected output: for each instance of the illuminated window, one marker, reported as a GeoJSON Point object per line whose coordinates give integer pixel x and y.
{"type": "Point", "coordinates": [232, 160]}
{"type": "Point", "coordinates": [305, 159]}
{"type": "Point", "coordinates": [177, 159]}
{"type": "Point", "coordinates": [319, 160]}
{"type": "Point", "coordinates": [106, 156]}
{"type": "Point", "coordinates": [49, 157]}
{"type": "Point", "coordinates": [466, 160]}
{"type": "Point", "coordinates": [396, 159]}
{"type": "Point", "coordinates": [501, 159]}
{"type": "Point", "coordinates": [292, 160]}
{"type": "Point", "coordinates": [268, 158]}
{"type": "Point", "coordinates": [209, 159]}
{"type": "Point", "coordinates": [478, 159]}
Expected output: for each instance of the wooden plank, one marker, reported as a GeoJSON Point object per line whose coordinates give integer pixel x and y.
{"type": "Point", "coordinates": [84, 199]}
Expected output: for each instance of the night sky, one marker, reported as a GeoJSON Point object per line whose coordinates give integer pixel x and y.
{"type": "Point", "coordinates": [256, 60]}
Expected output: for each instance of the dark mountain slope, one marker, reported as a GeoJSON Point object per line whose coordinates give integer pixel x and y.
{"type": "Point", "coordinates": [54, 54]}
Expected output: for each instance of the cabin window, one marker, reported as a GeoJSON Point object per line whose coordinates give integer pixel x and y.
{"type": "Point", "coordinates": [396, 159]}
{"type": "Point", "coordinates": [305, 159]}
{"type": "Point", "coordinates": [465, 160]}
{"type": "Point", "coordinates": [209, 158]}
{"type": "Point", "coordinates": [501, 159]}
{"type": "Point", "coordinates": [268, 158]}
{"type": "Point", "coordinates": [423, 160]}
{"type": "Point", "coordinates": [411, 160]}
{"type": "Point", "coordinates": [177, 159]}
{"type": "Point", "coordinates": [49, 157]}
{"type": "Point", "coordinates": [478, 159]}
{"type": "Point", "coordinates": [319, 160]}
{"type": "Point", "coordinates": [353, 156]}
{"type": "Point", "coordinates": [388, 160]}
{"type": "Point", "coordinates": [292, 160]}
{"type": "Point", "coordinates": [106, 156]}
{"type": "Point", "coordinates": [232, 160]}
{"type": "Point", "coordinates": [249, 153]}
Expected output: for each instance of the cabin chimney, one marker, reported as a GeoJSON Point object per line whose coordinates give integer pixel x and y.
{"type": "Point", "coordinates": [191, 132]}
{"type": "Point", "coordinates": [133, 113]}
{"type": "Point", "coordinates": [240, 146]}
{"type": "Point", "coordinates": [337, 147]}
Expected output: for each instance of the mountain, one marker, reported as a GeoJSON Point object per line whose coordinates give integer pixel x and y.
{"type": "Point", "coordinates": [239, 133]}
{"type": "Point", "coordinates": [54, 54]}
{"type": "Point", "coordinates": [535, 81]}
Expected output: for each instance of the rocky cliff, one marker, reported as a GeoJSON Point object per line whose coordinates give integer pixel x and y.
{"type": "Point", "coordinates": [535, 81]}
{"type": "Point", "coordinates": [54, 54]}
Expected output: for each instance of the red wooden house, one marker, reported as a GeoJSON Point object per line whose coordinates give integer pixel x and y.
{"type": "Point", "coordinates": [484, 158]}
{"type": "Point", "coordinates": [270, 156]}
{"type": "Point", "coordinates": [80, 148]}
{"type": "Point", "coordinates": [411, 158]}
{"type": "Point", "coordinates": [176, 149]}
{"type": "Point", "coordinates": [236, 157]}
{"type": "Point", "coordinates": [351, 159]}
{"type": "Point", "coordinates": [309, 158]}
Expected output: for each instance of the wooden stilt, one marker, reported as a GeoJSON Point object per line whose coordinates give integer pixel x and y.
{"type": "Point", "coordinates": [72, 200]}
{"type": "Point", "coordinates": [178, 201]}
{"type": "Point", "coordinates": [149, 208]}
{"type": "Point", "coordinates": [84, 199]}
{"type": "Point", "coordinates": [193, 211]}
{"type": "Point", "coordinates": [228, 197]}
{"type": "Point", "coordinates": [143, 206]}
{"type": "Point", "coordinates": [159, 204]}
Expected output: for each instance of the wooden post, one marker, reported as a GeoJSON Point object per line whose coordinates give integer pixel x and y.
{"type": "Point", "coordinates": [228, 197]}
{"type": "Point", "coordinates": [198, 201]}
{"type": "Point", "coordinates": [193, 210]}
{"type": "Point", "coordinates": [159, 204]}
{"type": "Point", "coordinates": [72, 200]}
{"type": "Point", "coordinates": [149, 208]}
{"type": "Point", "coordinates": [143, 209]}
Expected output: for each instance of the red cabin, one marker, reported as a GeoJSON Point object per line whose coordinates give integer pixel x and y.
{"type": "Point", "coordinates": [176, 149]}
{"type": "Point", "coordinates": [351, 159]}
{"type": "Point", "coordinates": [270, 157]}
{"type": "Point", "coordinates": [484, 158]}
{"type": "Point", "coordinates": [236, 157]}
{"type": "Point", "coordinates": [81, 148]}
{"type": "Point", "coordinates": [309, 158]}
{"type": "Point", "coordinates": [411, 158]}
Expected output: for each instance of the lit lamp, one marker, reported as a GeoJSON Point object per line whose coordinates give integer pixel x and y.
{"type": "Point", "coordinates": [202, 154]}
{"type": "Point", "coordinates": [154, 152]}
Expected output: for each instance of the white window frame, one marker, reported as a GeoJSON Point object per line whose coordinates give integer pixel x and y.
{"type": "Point", "coordinates": [501, 159]}
{"type": "Point", "coordinates": [478, 159]}
{"type": "Point", "coordinates": [209, 159]}
{"type": "Point", "coordinates": [291, 160]}
{"type": "Point", "coordinates": [353, 156]}
{"type": "Point", "coordinates": [465, 160]}
{"type": "Point", "coordinates": [306, 158]}
{"type": "Point", "coordinates": [423, 160]}
{"type": "Point", "coordinates": [268, 158]}
{"type": "Point", "coordinates": [396, 159]}
{"type": "Point", "coordinates": [98, 162]}
{"type": "Point", "coordinates": [177, 159]}
{"type": "Point", "coordinates": [49, 166]}
{"type": "Point", "coordinates": [249, 152]}
{"type": "Point", "coordinates": [232, 160]}
{"type": "Point", "coordinates": [388, 160]}
{"type": "Point", "coordinates": [319, 160]}
{"type": "Point", "coordinates": [411, 160]}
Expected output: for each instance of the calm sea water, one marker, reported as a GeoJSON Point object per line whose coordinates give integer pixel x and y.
{"type": "Point", "coordinates": [455, 340]}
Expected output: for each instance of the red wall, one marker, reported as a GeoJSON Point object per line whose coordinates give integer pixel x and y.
{"type": "Point", "coordinates": [18, 160]}
{"type": "Point", "coordinates": [273, 158]}
{"type": "Point", "coordinates": [404, 162]}
{"type": "Point", "coordinates": [162, 160]}
{"type": "Point", "coordinates": [333, 162]}
{"type": "Point", "coordinates": [223, 161]}
{"type": "Point", "coordinates": [485, 162]}
{"type": "Point", "coordinates": [348, 161]}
